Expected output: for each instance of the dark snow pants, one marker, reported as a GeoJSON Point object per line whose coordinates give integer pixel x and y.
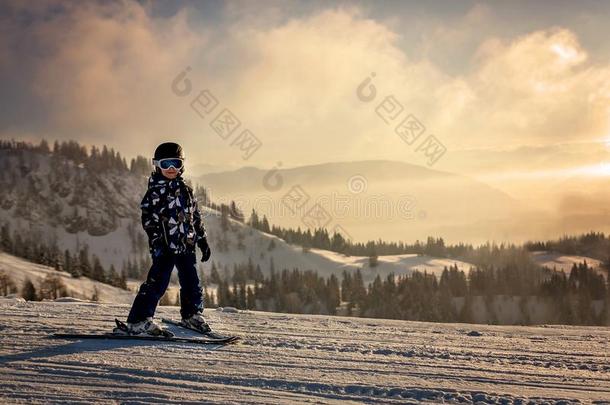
{"type": "Point", "coordinates": [151, 291]}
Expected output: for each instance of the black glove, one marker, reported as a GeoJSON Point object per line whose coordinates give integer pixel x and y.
{"type": "Point", "coordinates": [158, 248]}
{"type": "Point", "coordinates": [205, 249]}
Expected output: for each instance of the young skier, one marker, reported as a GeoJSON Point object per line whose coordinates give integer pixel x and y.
{"type": "Point", "coordinates": [172, 221]}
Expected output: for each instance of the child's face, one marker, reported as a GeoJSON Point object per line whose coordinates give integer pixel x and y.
{"type": "Point", "coordinates": [170, 173]}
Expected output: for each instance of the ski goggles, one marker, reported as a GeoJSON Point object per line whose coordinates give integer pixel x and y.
{"type": "Point", "coordinates": [165, 164]}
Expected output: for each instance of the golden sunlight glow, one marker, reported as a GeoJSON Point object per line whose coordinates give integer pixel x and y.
{"type": "Point", "coordinates": [564, 52]}
{"type": "Point", "coordinates": [598, 170]}
{"type": "Point", "coordinates": [602, 169]}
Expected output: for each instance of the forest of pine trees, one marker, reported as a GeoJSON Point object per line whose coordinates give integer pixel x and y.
{"type": "Point", "coordinates": [51, 287]}
{"type": "Point", "coordinates": [93, 159]}
{"type": "Point", "coordinates": [418, 296]}
{"type": "Point", "coordinates": [321, 239]}
{"type": "Point", "coordinates": [592, 244]}
{"type": "Point", "coordinates": [80, 264]}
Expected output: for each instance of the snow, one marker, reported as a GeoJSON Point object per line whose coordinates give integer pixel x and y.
{"type": "Point", "coordinates": [287, 358]}
{"type": "Point", "coordinates": [231, 310]}
{"type": "Point", "coordinates": [287, 256]}
{"type": "Point", "coordinates": [397, 264]}
{"type": "Point", "coordinates": [20, 269]}
{"type": "Point", "coordinates": [561, 261]}
{"type": "Point", "coordinates": [68, 299]}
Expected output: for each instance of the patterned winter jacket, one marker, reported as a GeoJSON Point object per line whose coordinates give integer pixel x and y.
{"type": "Point", "coordinates": [170, 215]}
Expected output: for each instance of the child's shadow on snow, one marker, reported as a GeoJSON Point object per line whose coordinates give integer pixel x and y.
{"type": "Point", "coordinates": [86, 345]}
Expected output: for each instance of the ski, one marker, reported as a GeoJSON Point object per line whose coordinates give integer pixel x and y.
{"type": "Point", "coordinates": [121, 333]}
{"type": "Point", "coordinates": [176, 339]}
{"type": "Point", "coordinates": [210, 334]}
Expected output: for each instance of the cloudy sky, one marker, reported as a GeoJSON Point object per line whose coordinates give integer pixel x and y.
{"type": "Point", "coordinates": [512, 90]}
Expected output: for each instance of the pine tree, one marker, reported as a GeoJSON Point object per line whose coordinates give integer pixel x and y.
{"type": "Point", "coordinates": [44, 146]}
{"type": "Point", "coordinates": [113, 276]}
{"type": "Point", "coordinates": [264, 226]}
{"type": "Point", "coordinates": [346, 287]}
{"type": "Point", "coordinates": [254, 221]}
{"type": "Point", "coordinates": [28, 291]}
{"type": "Point", "coordinates": [373, 260]}
{"type": "Point", "coordinates": [358, 288]}
{"type": "Point", "coordinates": [224, 218]}
{"type": "Point", "coordinates": [96, 294]}
{"type": "Point", "coordinates": [207, 299]}
{"type": "Point", "coordinates": [271, 245]}
{"type": "Point", "coordinates": [250, 298]}
{"type": "Point", "coordinates": [98, 273]}
{"type": "Point", "coordinates": [7, 285]}
{"type": "Point", "coordinates": [333, 294]}
{"type": "Point", "coordinates": [337, 243]}
{"type": "Point", "coordinates": [123, 281]}
{"type": "Point", "coordinates": [52, 287]}
{"type": "Point", "coordinates": [69, 265]}
{"type": "Point", "coordinates": [258, 275]}
{"type": "Point", "coordinates": [214, 275]}
{"type": "Point", "coordinates": [236, 212]}
{"type": "Point", "coordinates": [242, 296]}
{"type": "Point", "coordinates": [465, 315]}
{"type": "Point", "coordinates": [140, 166]}
{"type": "Point", "coordinates": [84, 267]}
{"type": "Point", "coordinates": [6, 244]}
{"type": "Point", "coordinates": [446, 309]}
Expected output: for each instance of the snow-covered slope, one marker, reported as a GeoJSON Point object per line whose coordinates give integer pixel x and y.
{"type": "Point", "coordinates": [19, 269]}
{"type": "Point", "coordinates": [325, 262]}
{"type": "Point", "coordinates": [397, 264]}
{"type": "Point", "coordinates": [562, 262]}
{"type": "Point", "coordinates": [297, 359]}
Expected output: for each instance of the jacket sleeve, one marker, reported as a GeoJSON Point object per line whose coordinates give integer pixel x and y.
{"type": "Point", "coordinates": [197, 222]}
{"type": "Point", "coordinates": [150, 219]}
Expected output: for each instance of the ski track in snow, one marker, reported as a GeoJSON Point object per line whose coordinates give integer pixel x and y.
{"type": "Point", "coordinates": [286, 358]}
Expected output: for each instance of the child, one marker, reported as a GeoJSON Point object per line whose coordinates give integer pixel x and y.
{"type": "Point", "coordinates": [172, 221]}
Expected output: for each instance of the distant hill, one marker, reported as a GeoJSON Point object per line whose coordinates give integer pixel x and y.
{"type": "Point", "coordinates": [562, 262]}
{"type": "Point", "coordinates": [374, 199]}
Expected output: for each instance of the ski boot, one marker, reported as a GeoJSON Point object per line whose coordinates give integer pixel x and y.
{"type": "Point", "coordinates": [197, 323]}
{"type": "Point", "coordinates": [147, 327]}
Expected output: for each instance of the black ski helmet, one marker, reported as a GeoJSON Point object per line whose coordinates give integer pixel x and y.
{"type": "Point", "coordinates": [169, 150]}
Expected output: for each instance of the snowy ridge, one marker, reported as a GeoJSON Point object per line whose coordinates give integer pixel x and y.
{"type": "Point", "coordinates": [288, 358]}
{"type": "Point", "coordinates": [20, 269]}
{"type": "Point", "coordinates": [325, 262]}
{"type": "Point", "coordinates": [563, 262]}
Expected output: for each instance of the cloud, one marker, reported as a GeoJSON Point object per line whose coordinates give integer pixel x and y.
{"type": "Point", "coordinates": [533, 89]}
{"type": "Point", "coordinates": [538, 88]}
{"type": "Point", "coordinates": [102, 72]}
{"type": "Point", "coordinates": [297, 87]}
